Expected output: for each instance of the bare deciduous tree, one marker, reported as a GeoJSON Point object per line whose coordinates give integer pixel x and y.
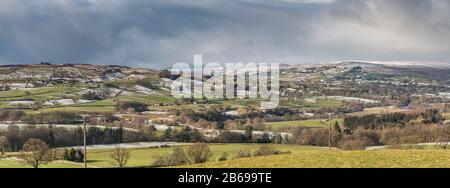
{"type": "Point", "coordinates": [120, 156]}
{"type": "Point", "coordinates": [199, 153]}
{"type": "Point", "coordinates": [178, 157]}
{"type": "Point", "coordinates": [35, 153]}
{"type": "Point", "coordinates": [3, 143]}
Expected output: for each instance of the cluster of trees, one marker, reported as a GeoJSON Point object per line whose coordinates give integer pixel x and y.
{"type": "Point", "coordinates": [232, 137]}
{"type": "Point", "coordinates": [14, 137]}
{"type": "Point", "coordinates": [319, 136]}
{"type": "Point", "coordinates": [201, 153]}
{"type": "Point", "coordinates": [12, 115]}
{"type": "Point", "coordinates": [71, 154]}
{"type": "Point", "coordinates": [246, 137]}
{"type": "Point", "coordinates": [187, 134]}
{"type": "Point", "coordinates": [97, 135]}
{"type": "Point", "coordinates": [4, 87]}
{"type": "Point", "coordinates": [215, 117]}
{"type": "Point", "coordinates": [257, 124]}
{"type": "Point", "coordinates": [361, 137]}
{"type": "Point", "coordinates": [429, 116]}
{"type": "Point", "coordinates": [197, 153]}
{"type": "Point", "coordinates": [378, 120]}
{"type": "Point", "coordinates": [36, 152]}
{"type": "Point", "coordinates": [168, 74]}
{"type": "Point", "coordinates": [131, 106]}
{"type": "Point", "coordinates": [96, 95]}
{"type": "Point", "coordinates": [432, 116]}
{"type": "Point", "coordinates": [56, 117]}
{"type": "Point", "coordinates": [397, 136]}
{"type": "Point", "coordinates": [215, 113]}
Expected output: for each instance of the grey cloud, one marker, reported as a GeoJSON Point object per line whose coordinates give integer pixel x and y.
{"type": "Point", "coordinates": [158, 33]}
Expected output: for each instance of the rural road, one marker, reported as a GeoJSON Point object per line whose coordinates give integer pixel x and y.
{"type": "Point", "coordinates": [419, 144]}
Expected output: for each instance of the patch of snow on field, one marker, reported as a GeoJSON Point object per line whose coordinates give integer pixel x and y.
{"type": "Point", "coordinates": [409, 63]}
{"type": "Point", "coordinates": [142, 89]}
{"type": "Point", "coordinates": [63, 101]}
{"type": "Point", "coordinates": [67, 102]}
{"type": "Point", "coordinates": [21, 102]}
{"type": "Point", "coordinates": [163, 127]}
{"type": "Point", "coordinates": [341, 98]}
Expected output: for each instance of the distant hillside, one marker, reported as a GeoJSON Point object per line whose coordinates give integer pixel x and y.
{"type": "Point", "coordinates": [67, 72]}
{"type": "Point", "coordinates": [434, 71]}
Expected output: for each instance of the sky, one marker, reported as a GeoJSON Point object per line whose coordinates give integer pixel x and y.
{"type": "Point", "coordinates": [159, 33]}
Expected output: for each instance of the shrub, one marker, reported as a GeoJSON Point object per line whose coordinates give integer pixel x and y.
{"type": "Point", "coordinates": [224, 156]}
{"type": "Point", "coordinates": [188, 135]}
{"type": "Point", "coordinates": [178, 157]}
{"type": "Point", "coordinates": [360, 139]}
{"type": "Point", "coordinates": [75, 155]}
{"type": "Point", "coordinates": [266, 150]}
{"type": "Point", "coordinates": [199, 153]}
{"type": "Point", "coordinates": [92, 96]}
{"type": "Point", "coordinates": [243, 154]}
{"type": "Point", "coordinates": [390, 137]}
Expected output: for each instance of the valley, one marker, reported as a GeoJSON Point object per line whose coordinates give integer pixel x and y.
{"type": "Point", "coordinates": [347, 106]}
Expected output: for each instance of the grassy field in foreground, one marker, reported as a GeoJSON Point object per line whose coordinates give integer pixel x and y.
{"type": "Point", "coordinates": [6, 163]}
{"type": "Point", "coordinates": [301, 157]}
{"type": "Point", "coordinates": [146, 156]}
{"type": "Point", "coordinates": [386, 158]}
{"type": "Point", "coordinates": [313, 123]}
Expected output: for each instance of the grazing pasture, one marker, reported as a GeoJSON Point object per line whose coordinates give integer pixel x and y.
{"type": "Point", "coordinates": [384, 158]}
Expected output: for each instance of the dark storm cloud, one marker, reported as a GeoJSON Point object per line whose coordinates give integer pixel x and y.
{"type": "Point", "coordinates": [158, 33]}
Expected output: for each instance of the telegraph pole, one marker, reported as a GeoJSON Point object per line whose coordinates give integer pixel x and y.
{"type": "Point", "coordinates": [329, 130]}
{"type": "Point", "coordinates": [85, 140]}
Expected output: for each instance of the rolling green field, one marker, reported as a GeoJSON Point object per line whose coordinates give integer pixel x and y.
{"type": "Point", "coordinates": [317, 104]}
{"type": "Point", "coordinates": [108, 105]}
{"type": "Point", "coordinates": [386, 158]}
{"type": "Point", "coordinates": [300, 157]}
{"type": "Point", "coordinates": [313, 123]}
{"type": "Point", "coordinates": [78, 109]}
{"type": "Point", "coordinates": [324, 103]}
{"type": "Point", "coordinates": [146, 156]}
{"type": "Point", "coordinates": [38, 94]}
{"type": "Point", "coordinates": [149, 99]}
